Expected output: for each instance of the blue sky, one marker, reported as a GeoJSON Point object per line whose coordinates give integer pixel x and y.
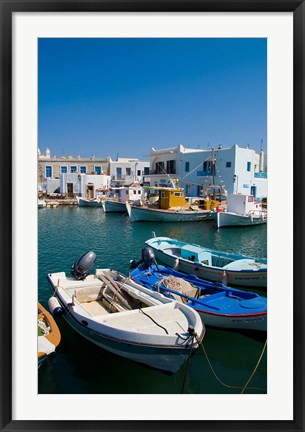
{"type": "Point", "coordinates": [120, 97]}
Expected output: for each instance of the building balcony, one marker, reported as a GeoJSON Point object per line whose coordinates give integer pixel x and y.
{"type": "Point", "coordinates": [204, 174]}
{"type": "Point", "coordinates": [260, 175]}
{"type": "Point", "coordinates": [157, 172]}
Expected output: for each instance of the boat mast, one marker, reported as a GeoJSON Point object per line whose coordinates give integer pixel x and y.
{"type": "Point", "coordinates": [213, 173]}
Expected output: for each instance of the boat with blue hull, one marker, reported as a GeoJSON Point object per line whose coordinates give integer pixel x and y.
{"type": "Point", "coordinates": [127, 319]}
{"type": "Point", "coordinates": [217, 304]}
{"type": "Point", "coordinates": [213, 265]}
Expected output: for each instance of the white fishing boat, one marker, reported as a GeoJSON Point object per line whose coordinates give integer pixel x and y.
{"type": "Point", "coordinates": [89, 202]}
{"type": "Point", "coordinates": [125, 318]}
{"type": "Point", "coordinates": [114, 206]}
{"type": "Point", "coordinates": [212, 265]}
{"type": "Point", "coordinates": [242, 210]}
{"type": "Point", "coordinates": [119, 196]}
{"type": "Point", "coordinates": [172, 206]}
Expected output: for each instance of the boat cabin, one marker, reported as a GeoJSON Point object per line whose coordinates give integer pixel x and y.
{"type": "Point", "coordinates": [242, 204]}
{"type": "Point", "coordinates": [132, 192]}
{"type": "Point", "coordinates": [170, 197]}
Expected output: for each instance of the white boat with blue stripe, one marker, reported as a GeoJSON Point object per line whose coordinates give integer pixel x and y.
{"type": "Point", "coordinates": [212, 265]}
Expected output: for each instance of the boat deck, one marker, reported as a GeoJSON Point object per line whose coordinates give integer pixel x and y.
{"type": "Point", "coordinates": [169, 318]}
{"type": "Point", "coordinates": [95, 308]}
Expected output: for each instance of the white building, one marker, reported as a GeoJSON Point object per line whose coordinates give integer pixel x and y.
{"type": "Point", "coordinates": [85, 185]}
{"type": "Point", "coordinates": [51, 185]}
{"type": "Point", "coordinates": [125, 171]}
{"type": "Point", "coordinates": [237, 169]}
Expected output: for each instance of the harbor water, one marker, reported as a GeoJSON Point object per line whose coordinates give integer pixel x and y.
{"type": "Point", "coordinates": [222, 365]}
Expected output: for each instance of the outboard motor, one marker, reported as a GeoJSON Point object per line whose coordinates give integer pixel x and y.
{"type": "Point", "coordinates": [134, 264]}
{"type": "Point", "coordinates": [148, 257]}
{"type": "Point", "coordinates": [82, 266]}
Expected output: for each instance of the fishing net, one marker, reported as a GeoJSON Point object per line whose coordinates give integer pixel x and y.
{"type": "Point", "coordinates": [180, 285]}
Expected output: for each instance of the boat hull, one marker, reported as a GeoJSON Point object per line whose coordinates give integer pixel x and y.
{"type": "Point", "coordinates": [114, 207]}
{"type": "Point", "coordinates": [225, 219]}
{"type": "Point", "coordinates": [82, 202]}
{"type": "Point", "coordinates": [145, 214]}
{"type": "Point", "coordinates": [257, 277]}
{"type": "Point", "coordinates": [254, 322]}
{"type": "Point", "coordinates": [168, 359]}
{"type": "Point", "coordinates": [241, 278]}
{"type": "Point", "coordinates": [41, 204]}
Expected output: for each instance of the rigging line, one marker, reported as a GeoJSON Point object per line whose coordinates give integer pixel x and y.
{"type": "Point", "coordinates": [205, 186]}
{"type": "Point", "coordinates": [230, 386]}
{"type": "Point", "coordinates": [168, 175]}
{"type": "Point", "coordinates": [202, 162]}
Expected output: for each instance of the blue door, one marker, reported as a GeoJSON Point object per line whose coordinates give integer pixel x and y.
{"type": "Point", "coordinates": [118, 173]}
{"type": "Point", "coordinates": [253, 191]}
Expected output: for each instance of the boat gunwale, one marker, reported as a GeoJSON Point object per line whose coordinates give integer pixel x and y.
{"type": "Point", "coordinates": [231, 315]}
{"type": "Point", "coordinates": [215, 269]}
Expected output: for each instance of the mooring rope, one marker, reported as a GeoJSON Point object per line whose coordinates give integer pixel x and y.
{"type": "Point", "coordinates": [194, 336]}
{"type": "Point", "coordinates": [251, 376]}
{"type": "Point", "coordinates": [214, 373]}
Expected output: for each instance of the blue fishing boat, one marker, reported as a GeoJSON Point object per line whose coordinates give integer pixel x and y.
{"type": "Point", "coordinates": [217, 304]}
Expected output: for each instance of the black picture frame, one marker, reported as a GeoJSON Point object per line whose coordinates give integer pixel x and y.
{"type": "Point", "coordinates": [7, 9]}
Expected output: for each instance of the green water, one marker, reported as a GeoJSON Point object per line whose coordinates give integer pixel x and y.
{"type": "Point", "coordinates": [80, 367]}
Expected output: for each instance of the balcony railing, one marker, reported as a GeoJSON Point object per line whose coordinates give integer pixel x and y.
{"type": "Point", "coordinates": [204, 174]}
{"type": "Point", "coordinates": [157, 172]}
{"type": "Point", "coordinates": [260, 175]}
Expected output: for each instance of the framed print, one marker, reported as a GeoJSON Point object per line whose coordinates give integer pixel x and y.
{"type": "Point", "coordinates": [98, 96]}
